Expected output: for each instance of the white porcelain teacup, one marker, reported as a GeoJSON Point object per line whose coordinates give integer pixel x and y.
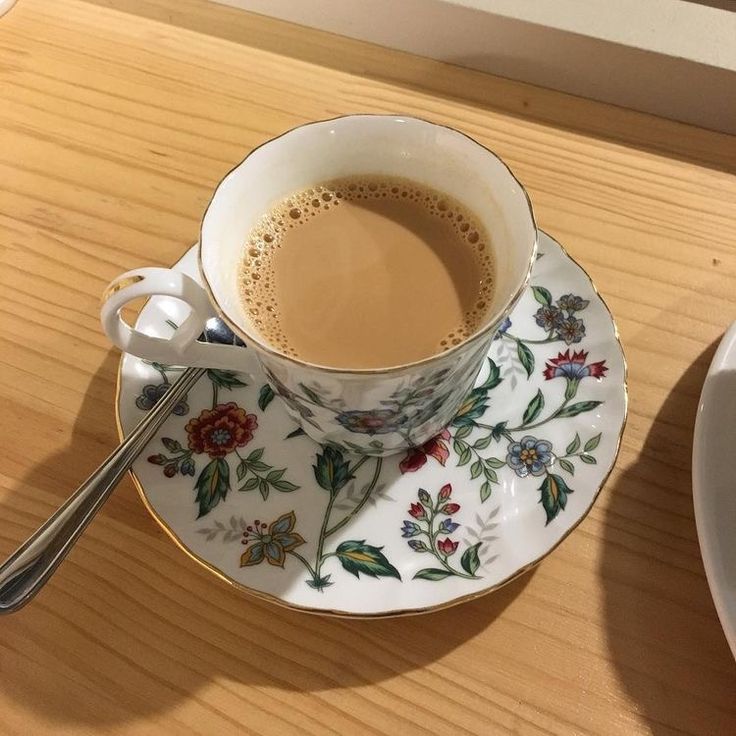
{"type": "Point", "coordinates": [372, 411]}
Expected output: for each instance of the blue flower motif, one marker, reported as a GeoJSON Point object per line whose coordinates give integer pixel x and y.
{"type": "Point", "coordinates": [571, 330]}
{"type": "Point", "coordinates": [417, 545]}
{"type": "Point", "coordinates": [502, 329]}
{"type": "Point", "coordinates": [549, 317]}
{"type": "Point", "coordinates": [448, 526]}
{"type": "Point", "coordinates": [529, 456]}
{"type": "Point", "coordinates": [151, 393]}
{"type": "Point", "coordinates": [572, 303]}
{"type": "Point", "coordinates": [187, 467]}
{"type": "Point", "coordinates": [410, 529]}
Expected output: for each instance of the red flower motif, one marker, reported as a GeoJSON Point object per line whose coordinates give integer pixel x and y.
{"type": "Point", "coordinates": [417, 511]}
{"type": "Point", "coordinates": [573, 367]}
{"type": "Point", "coordinates": [445, 492]}
{"type": "Point", "coordinates": [450, 508]}
{"type": "Point", "coordinates": [447, 546]}
{"type": "Point", "coordinates": [219, 431]}
{"type": "Point", "coordinates": [417, 456]}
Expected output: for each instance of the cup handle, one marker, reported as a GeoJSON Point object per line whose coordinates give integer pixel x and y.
{"type": "Point", "coordinates": [182, 348]}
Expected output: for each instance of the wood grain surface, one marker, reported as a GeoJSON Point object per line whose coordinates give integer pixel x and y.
{"type": "Point", "coordinates": [117, 119]}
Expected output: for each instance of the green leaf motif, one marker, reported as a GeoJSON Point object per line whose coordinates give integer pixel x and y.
{"type": "Point", "coordinates": [542, 295]}
{"type": "Point", "coordinates": [494, 462]}
{"type": "Point", "coordinates": [171, 445]}
{"type": "Point", "coordinates": [592, 443]}
{"type": "Point", "coordinates": [263, 488]}
{"type": "Point", "coordinates": [493, 378]}
{"type": "Point", "coordinates": [470, 561]}
{"type": "Point", "coordinates": [476, 469]}
{"type": "Point", "coordinates": [432, 573]}
{"type": "Point", "coordinates": [249, 485]}
{"type": "Point", "coordinates": [566, 465]}
{"type": "Point", "coordinates": [498, 430]}
{"type": "Point", "coordinates": [257, 466]}
{"type": "Point", "coordinates": [526, 357]}
{"type": "Point", "coordinates": [490, 473]}
{"type": "Point", "coordinates": [332, 472]}
{"type": "Point", "coordinates": [285, 486]}
{"type": "Point", "coordinates": [463, 451]}
{"type": "Point", "coordinates": [534, 408]}
{"type": "Point", "coordinates": [483, 442]}
{"type": "Point", "coordinates": [589, 459]}
{"type": "Point", "coordinates": [574, 409]}
{"type": "Point", "coordinates": [554, 495]}
{"type": "Point", "coordinates": [319, 582]}
{"type": "Point", "coordinates": [357, 557]}
{"type": "Point", "coordinates": [298, 432]}
{"type": "Point", "coordinates": [463, 432]}
{"type": "Point", "coordinates": [574, 445]}
{"type": "Point", "coordinates": [224, 379]}
{"type": "Point", "coordinates": [265, 396]}
{"type": "Point", "coordinates": [485, 491]}
{"type": "Point", "coordinates": [212, 485]}
{"type": "Point", "coordinates": [471, 409]}
{"type": "Point", "coordinates": [242, 470]}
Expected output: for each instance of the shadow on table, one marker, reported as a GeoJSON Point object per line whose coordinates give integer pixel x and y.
{"type": "Point", "coordinates": [116, 637]}
{"type": "Point", "coordinates": [663, 632]}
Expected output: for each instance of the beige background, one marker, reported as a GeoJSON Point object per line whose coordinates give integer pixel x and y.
{"type": "Point", "coordinates": [673, 58]}
{"type": "Point", "coordinates": [117, 118]}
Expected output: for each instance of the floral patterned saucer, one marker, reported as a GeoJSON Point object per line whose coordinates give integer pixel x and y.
{"type": "Point", "coordinates": [241, 489]}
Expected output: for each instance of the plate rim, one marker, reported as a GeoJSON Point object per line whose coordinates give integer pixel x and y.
{"type": "Point", "coordinates": [400, 612]}
{"type": "Point", "coordinates": [724, 352]}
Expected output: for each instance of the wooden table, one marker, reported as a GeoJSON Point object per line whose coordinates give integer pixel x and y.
{"type": "Point", "coordinates": [117, 118]}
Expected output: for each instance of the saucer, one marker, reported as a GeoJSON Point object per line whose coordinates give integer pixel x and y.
{"type": "Point", "coordinates": [240, 488]}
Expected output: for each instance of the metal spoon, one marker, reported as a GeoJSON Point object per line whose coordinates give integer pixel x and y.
{"type": "Point", "coordinates": [26, 571]}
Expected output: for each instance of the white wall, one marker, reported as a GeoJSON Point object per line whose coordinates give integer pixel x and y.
{"type": "Point", "coordinates": [671, 58]}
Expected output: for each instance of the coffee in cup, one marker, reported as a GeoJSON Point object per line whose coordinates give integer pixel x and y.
{"type": "Point", "coordinates": [367, 272]}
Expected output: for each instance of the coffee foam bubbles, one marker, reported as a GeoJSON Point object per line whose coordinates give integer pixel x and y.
{"type": "Point", "coordinates": [257, 278]}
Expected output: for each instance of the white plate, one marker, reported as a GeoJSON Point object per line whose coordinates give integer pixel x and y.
{"type": "Point", "coordinates": [714, 488]}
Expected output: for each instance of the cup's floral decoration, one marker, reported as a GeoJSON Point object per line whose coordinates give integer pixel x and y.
{"type": "Point", "coordinates": [409, 406]}
{"type": "Point", "coordinates": [520, 449]}
{"type": "Point", "coordinates": [295, 402]}
{"type": "Point", "coordinates": [218, 433]}
{"type": "Point", "coordinates": [429, 532]}
{"type": "Point", "coordinates": [373, 421]}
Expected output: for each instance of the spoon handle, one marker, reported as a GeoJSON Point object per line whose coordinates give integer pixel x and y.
{"type": "Point", "coordinates": [25, 572]}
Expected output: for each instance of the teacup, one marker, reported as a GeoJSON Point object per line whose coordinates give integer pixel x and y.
{"type": "Point", "coordinates": [369, 411]}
